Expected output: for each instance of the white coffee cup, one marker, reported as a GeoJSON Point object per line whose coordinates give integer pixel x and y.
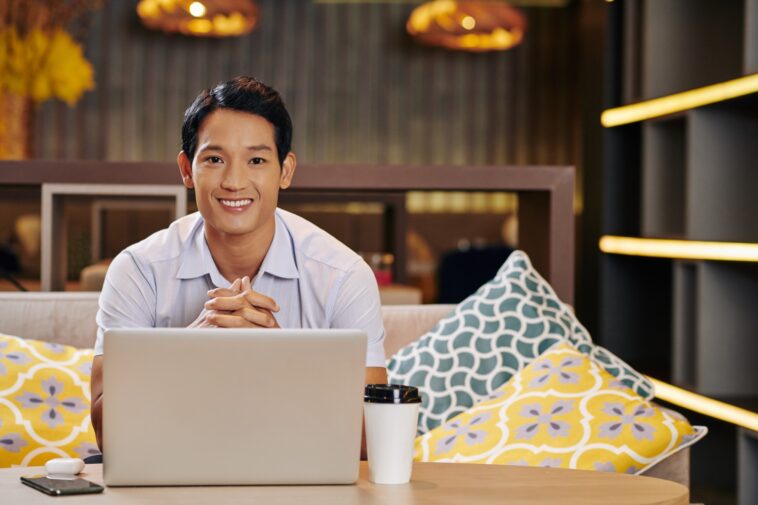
{"type": "Point", "coordinates": [391, 417]}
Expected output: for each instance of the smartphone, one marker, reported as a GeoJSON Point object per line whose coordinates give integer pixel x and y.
{"type": "Point", "coordinates": [60, 487]}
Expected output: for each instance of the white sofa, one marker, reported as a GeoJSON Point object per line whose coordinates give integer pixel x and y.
{"type": "Point", "coordinates": [69, 318]}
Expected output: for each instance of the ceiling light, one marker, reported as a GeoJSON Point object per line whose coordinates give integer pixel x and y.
{"type": "Point", "coordinates": [475, 25]}
{"type": "Point", "coordinates": [197, 9]}
{"type": "Point", "coordinates": [209, 18]}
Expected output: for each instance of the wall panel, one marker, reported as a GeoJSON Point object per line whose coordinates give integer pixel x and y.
{"type": "Point", "coordinates": [359, 89]}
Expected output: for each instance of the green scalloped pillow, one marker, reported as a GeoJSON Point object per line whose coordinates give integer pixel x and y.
{"type": "Point", "coordinates": [489, 337]}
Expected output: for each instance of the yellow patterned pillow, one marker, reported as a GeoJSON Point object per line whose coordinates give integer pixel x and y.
{"type": "Point", "coordinates": [44, 402]}
{"type": "Point", "coordinates": [562, 410]}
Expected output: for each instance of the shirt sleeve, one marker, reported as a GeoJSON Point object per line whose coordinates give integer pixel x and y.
{"type": "Point", "coordinates": [127, 299]}
{"type": "Point", "coordinates": [357, 306]}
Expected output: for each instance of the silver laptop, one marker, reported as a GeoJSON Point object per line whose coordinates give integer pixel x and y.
{"type": "Point", "coordinates": [232, 407]}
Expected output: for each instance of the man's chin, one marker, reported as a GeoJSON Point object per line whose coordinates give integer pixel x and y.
{"type": "Point", "coordinates": [231, 230]}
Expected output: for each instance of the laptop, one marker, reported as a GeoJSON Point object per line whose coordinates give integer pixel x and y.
{"type": "Point", "coordinates": [232, 407]}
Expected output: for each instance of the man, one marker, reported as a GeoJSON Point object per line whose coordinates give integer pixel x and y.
{"type": "Point", "coordinates": [239, 262]}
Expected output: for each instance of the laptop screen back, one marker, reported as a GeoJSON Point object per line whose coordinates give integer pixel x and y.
{"type": "Point", "coordinates": [232, 407]}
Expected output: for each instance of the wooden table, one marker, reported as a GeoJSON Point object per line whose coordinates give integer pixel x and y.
{"type": "Point", "coordinates": [433, 483]}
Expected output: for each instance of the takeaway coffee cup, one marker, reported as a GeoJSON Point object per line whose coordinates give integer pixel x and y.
{"type": "Point", "coordinates": [391, 413]}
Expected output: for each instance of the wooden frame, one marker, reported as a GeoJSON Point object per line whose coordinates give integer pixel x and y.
{"type": "Point", "coordinates": [54, 229]}
{"type": "Point", "coordinates": [546, 216]}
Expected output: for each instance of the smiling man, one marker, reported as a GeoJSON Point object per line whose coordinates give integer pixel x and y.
{"type": "Point", "coordinates": [240, 262]}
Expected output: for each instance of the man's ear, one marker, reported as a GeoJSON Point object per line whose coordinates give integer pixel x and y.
{"type": "Point", "coordinates": [288, 170]}
{"type": "Point", "coordinates": [185, 168]}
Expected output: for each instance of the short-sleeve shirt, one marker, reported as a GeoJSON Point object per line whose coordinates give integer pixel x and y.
{"type": "Point", "coordinates": [318, 282]}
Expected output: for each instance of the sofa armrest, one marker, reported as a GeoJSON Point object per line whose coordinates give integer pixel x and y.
{"type": "Point", "coordinates": [405, 323]}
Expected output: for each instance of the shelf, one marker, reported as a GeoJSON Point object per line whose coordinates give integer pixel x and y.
{"type": "Point", "coordinates": [690, 43]}
{"type": "Point", "coordinates": [721, 169]}
{"type": "Point", "coordinates": [704, 405]}
{"type": "Point", "coordinates": [726, 322]}
{"type": "Point", "coordinates": [684, 324]}
{"type": "Point", "coordinates": [637, 313]}
{"type": "Point", "coordinates": [751, 36]}
{"type": "Point", "coordinates": [713, 328]}
{"type": "Point", "coordinates": [680, 165]}
{"type": "Point", "coordinates": [680, 102]}
{"type": "Point", "coordinates": [679, 249]}
{"type": "Point", "coordinates": [664, 178]}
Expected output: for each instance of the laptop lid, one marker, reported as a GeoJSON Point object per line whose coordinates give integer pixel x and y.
{"type": "Point", "coordinates": [232, 407]}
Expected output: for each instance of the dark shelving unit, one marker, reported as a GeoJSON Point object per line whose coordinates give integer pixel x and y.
{"type": "Point", "coordinates": [693, 176]}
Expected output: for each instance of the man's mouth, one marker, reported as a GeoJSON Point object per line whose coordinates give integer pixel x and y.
{"type": "Point", "coordinates": [235, 204]}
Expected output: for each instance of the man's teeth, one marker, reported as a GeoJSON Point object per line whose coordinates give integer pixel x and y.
{"type": "Point", "coordinates": [236, 203]}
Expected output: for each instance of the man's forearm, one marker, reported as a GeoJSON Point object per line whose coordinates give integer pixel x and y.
{"type": "Point", "coordinates": [97, 420]}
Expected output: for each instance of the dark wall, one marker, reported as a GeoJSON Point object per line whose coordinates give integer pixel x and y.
{"type": "Point", "coordinates": [358, 87]}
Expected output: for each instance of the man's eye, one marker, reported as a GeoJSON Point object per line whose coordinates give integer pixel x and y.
{"type": "Point", "coordinates": [214, 159]}
{"type": "Point", "coordinates": [257, 161]}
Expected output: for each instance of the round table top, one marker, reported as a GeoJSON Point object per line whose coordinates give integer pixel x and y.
{"type": "Point", "coordinates": [432, 483]}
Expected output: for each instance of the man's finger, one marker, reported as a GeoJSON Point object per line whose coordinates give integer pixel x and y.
{"type": "Point", "coordinates": [232, 290]}
{"type": "Point", "coordinates": [259, 317]}
{"type": "Point", "coordinates": [261, 301]}
{"type": "Point", "coordinates": [241, 300]}
{"type": "Point", "coordinates": [254, 298]}
{"type": "Point", "coordinates": [216, 292]}
{"type": "Point", "coordinates": [227, 303]}
{"type": "Point", "coordinates": [230, 321]}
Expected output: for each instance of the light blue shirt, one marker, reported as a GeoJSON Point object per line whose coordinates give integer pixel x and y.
{"type": "Point", "coordinates": [318, 282]}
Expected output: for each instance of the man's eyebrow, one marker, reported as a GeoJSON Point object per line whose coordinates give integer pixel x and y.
{"type": "Point", "coordinates": [259, 147]}
{"type": "Point", "coordinates": [211, 147]}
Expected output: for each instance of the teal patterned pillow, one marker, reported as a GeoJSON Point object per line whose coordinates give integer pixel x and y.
{"type": "Point", "coordinates": [488, 338]}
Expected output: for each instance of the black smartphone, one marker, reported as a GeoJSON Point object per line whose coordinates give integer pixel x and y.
{"type": "Point", "coordinates": [60, 487]}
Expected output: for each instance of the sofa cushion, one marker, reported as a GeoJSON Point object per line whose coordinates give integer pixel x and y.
{"type": "Point", "coordinates": [563, 410]}
{"type": "Point", "coordinates": [56, 316]}
{"type": "Point", "coordinates": [44, 402]}
{"type": "Point", "coordinates": [490, 336]}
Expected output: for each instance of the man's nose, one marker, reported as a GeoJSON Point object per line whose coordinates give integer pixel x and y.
{"type": "Point", "coordinates": [235, 177]}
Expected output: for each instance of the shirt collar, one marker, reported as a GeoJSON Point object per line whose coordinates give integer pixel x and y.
{"type": "Point", "coordinates": [280, 258]}
{"type": "Point", "coordinates": [197, 261]}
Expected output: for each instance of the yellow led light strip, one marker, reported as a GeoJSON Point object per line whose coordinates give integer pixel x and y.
{"type": "Point", "coordinates": [681, 249]}
{"type": "Point", "coordinates": [679, 102]}
{"type": "Point", "coordinates": [706, 406]}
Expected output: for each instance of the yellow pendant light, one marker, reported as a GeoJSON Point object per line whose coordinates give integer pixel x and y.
{"type": "Point", "coordinates": [204, 18]}
{"type": "Point", "coordinates": [474, 25]}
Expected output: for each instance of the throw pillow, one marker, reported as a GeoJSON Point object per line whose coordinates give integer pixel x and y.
{"type": "Point", "coordinates": [490, 336]}
{"type": "Point", "coordinates": [563, 410]}
{"type": "Point", "coordinates": [44, 402]}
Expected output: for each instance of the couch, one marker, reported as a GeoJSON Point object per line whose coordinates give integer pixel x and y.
{"type": "Point", "coordinates": [69, 318]}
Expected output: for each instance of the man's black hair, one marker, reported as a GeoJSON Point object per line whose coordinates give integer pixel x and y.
{"type": "Point", "coordinates": [244, 94]}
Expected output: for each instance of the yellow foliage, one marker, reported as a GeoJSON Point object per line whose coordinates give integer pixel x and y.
{"type": "Point", "coordinates": [44, 65]}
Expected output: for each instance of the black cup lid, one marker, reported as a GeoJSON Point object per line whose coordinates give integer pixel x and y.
{"type": "Point", "coordinates": [391, 393]}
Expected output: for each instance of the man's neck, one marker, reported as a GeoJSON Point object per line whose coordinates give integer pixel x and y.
{"type": "Point", "coordinates": [239, 255]}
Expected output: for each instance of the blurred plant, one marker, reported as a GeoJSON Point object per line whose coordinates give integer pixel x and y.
{"type": "Point", "coordinates": [39, 59]}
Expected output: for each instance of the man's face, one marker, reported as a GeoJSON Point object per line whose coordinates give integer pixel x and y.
{"type": "Point", "coordinates": [236, 173]}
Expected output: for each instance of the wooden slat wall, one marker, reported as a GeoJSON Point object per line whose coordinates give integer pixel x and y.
{"type": "Point", "coordinates": [359, 89]}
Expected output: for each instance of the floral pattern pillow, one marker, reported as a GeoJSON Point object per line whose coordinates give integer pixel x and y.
{"type": "Point", "coordinates": [563, 410]}
{"type": "Point", "coordinates": [44, 402]}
